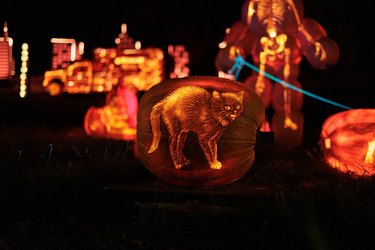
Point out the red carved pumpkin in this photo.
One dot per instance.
(117, 119)
(348, 140)
(288, 137)
(198, 130)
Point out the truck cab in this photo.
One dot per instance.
(79, 77)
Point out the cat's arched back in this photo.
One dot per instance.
(195, 109)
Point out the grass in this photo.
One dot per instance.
(64, 190)
(60, 189)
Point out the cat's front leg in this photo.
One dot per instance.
(212, 144)
(209, 148)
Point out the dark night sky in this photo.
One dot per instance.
(200, 25)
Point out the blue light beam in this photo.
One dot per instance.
(239, 62)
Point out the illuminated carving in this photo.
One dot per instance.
(194, 109)
(277, 35)
(24, 69)
(140, 68)
(349, 141)
(180, 62)
(126, 64)
(193, 121)
(117, 119)
(65, 51)
(7, 62)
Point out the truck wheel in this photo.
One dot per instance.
(54, 88)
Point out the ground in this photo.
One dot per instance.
(61, 189)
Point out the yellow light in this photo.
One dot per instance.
(81, 48)
(272, 33)
(129, 60)
(327, 143)
(24, 70)
(369, 159)
(123, 28)
(137, 45)
(223, 45)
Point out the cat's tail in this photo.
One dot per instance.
(155, 125)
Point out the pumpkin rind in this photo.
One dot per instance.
(346, 138)
(235, 148)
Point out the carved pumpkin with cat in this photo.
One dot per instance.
(198, 130)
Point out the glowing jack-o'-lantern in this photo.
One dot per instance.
(199, 130)
(117, 119)
(349, 141)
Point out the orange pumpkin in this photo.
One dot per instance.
(288, 137)
(348, 140)
(198, 130)
(117, 119)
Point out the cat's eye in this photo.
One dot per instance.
(226, 107)
(237, 106)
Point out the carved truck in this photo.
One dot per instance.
(109, 67)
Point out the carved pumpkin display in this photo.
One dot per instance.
(198, 130)
(348, 140)
(117, 118)
(276, 35)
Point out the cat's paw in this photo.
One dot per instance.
(178, 166)
(184, 161)
(215, 165)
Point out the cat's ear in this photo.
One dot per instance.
(240, 94)
(216, 95)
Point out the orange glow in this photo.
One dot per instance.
(222, 74)
(73, 47)
(198, 130)
(277, 36)
(137, 45)
(352, 143)
(369, 158)
(194, 109)
(65, 51)
(140, 68)
(117, 119)
(222, 45)
(180, 61)
(7, 61)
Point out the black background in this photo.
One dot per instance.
(199, 25)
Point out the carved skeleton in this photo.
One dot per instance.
(271, 14)
(277, 35)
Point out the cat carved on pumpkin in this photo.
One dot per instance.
(194, 109)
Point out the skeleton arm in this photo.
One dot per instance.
(319, 50)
